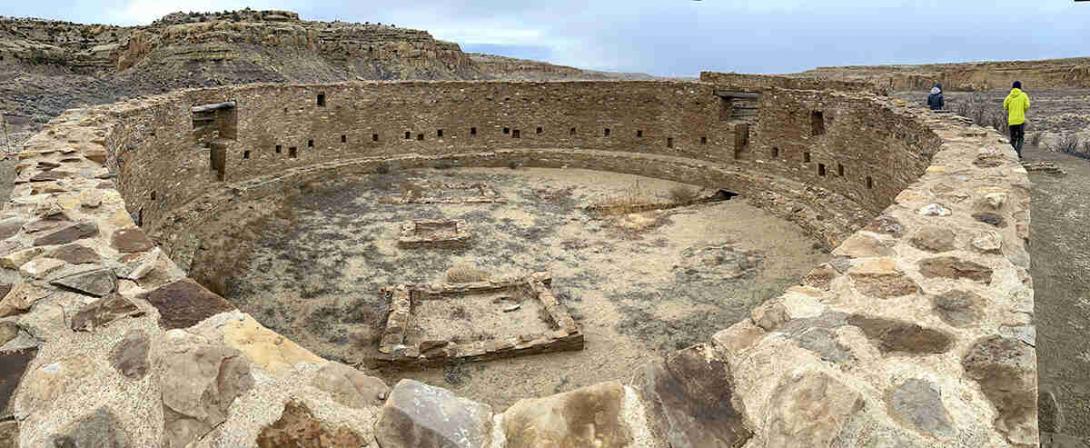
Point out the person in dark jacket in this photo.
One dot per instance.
(934, 100)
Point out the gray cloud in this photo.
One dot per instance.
(682, 37)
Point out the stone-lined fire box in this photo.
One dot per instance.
(439, 233)
(433, 325)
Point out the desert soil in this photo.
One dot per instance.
(1060, 253)
(639, 285)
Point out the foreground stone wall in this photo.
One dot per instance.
(918, 333)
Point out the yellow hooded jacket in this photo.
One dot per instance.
(1016, 104)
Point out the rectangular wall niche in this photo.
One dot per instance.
(214, 121)
(741, 139)
(499, 319)
(817, 123)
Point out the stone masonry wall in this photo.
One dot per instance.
(867, 156)
(918, 333)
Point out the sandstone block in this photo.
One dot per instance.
(185, 303)
(96, 283)
(893, 336)
(917, 404)
(199, 383)
(959, 308)
(20, 298)
(690, 401)
(13, 365)
(69, 234)
(420, 416)
(100, 429)
(863, 246)
(130, 356)
(41, 267)
(104, 311)
(350, 387)
(589, 416)
(934, 239)
(809, 410)
(265, 348)
(75, 254)
(1006, 371)
(298, 428)
(955, 268)
(131, 240)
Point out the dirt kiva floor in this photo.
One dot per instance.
(638, 284)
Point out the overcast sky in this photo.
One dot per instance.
(679, 37)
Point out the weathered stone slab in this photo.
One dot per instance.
(130, 356)
(199, 383)
(20, 298)
(76, 254)
(955, 268)
(350, 387)
(298, 428)
(265, 348)
(185, 303)
(104, 311)
(96, 283)
(959, 308)
(10, 226)
(44, 385)
(809, 410)
(892, 336)
(589, 416)
(69, 234)
(1006, 370)
(420, 416)
(9, 434)
(917, 404)
(934, 239)
(16, 258)
(13, 365)
(41, 267)
(100, 429)
(690, 401)
(882, 279)
(8, 331)
(131, 240)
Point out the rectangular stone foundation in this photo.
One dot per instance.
(505, 319)
(431, 192)
(437, 233)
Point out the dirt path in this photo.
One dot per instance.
(1060, 251)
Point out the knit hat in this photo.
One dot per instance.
(1018, 84)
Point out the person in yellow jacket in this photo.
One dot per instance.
(1016, 104)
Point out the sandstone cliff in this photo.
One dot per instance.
(973, 76)
(48, 66)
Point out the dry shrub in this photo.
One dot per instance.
(466, 273)
(1035, 139)
(632, 200)
(683, 194)
(410, 191)
(982, 111)
(1068, 143)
